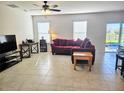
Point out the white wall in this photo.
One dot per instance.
(15, 21)
(62, 25)
(1, 32)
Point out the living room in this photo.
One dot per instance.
(44, 71)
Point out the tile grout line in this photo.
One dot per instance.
(37, 61)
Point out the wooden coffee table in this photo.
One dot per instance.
(83, 56)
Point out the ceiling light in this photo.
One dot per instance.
(46, 12)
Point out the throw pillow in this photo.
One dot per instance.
(87, 44)
(84, 42)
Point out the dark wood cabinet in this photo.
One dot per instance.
(43, 46)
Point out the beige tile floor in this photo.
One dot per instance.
(47, 72)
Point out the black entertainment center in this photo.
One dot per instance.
(8, 54)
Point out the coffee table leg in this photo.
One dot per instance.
(89, 68)
(90, 64)
(74, 64)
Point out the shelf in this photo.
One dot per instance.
(7, 65)
(10, 59)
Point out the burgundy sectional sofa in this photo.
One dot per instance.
(67, 47)
(63, 46)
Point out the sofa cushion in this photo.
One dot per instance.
(69, 43)
(63, 46)
(62, 42)
(78, 42)
(69, 47)
(76, 47)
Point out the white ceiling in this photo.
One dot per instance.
(68, 7)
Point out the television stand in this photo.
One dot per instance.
(9, 59)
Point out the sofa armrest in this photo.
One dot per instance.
(52, 48)
(92, 50)
(52, 45)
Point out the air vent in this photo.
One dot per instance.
(13, 6)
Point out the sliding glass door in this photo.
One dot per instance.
(114, 36)
(122, 35)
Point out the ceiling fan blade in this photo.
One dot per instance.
(57, 10)
(33, 9)
(54, 6)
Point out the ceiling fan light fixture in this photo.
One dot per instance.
(46, 12)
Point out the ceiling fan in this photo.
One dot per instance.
(46, 7)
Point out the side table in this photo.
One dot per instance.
(34, 47)
(25, 50)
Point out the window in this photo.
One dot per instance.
(43, 31)
(79, 29)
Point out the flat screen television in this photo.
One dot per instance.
(7, 43)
